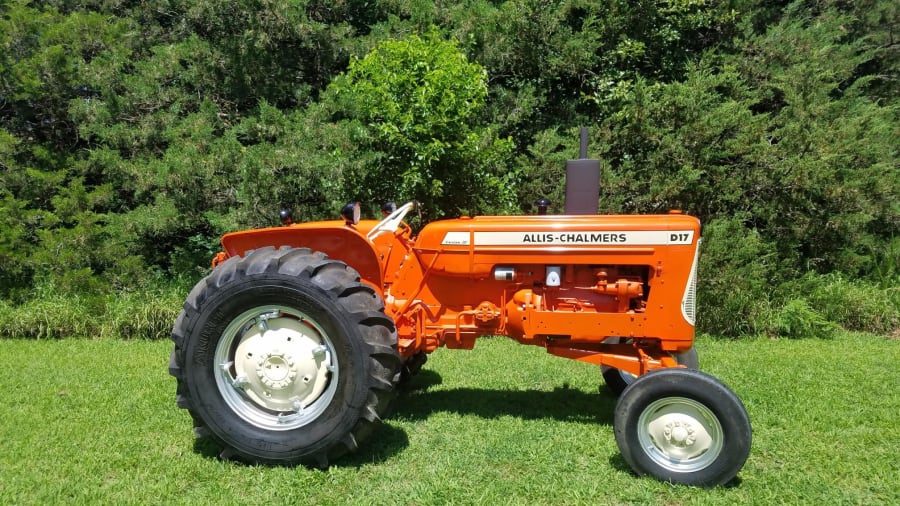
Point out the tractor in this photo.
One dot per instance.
(291, 349)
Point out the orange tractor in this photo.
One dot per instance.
(290, 350)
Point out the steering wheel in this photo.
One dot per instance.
(391, 222)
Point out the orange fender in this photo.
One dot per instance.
(334, 238)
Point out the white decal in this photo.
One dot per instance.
(456, 239)
(575, 238)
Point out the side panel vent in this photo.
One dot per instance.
(688, 302)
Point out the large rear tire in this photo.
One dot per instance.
(682, 426)
(283, 356)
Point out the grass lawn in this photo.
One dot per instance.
(95, 421)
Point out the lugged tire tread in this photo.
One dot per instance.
(343, 284)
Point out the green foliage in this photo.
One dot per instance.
(784, 142)
(852, 304)
(55, 312)
(16, 224)
(737, 273)
(50, 208)
(797, 320)
(134, 134)
(417, 99)
(42, 55)
(294, 159)
(540, 170)
(274, 50)
(830, 152)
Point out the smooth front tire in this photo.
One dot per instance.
(682, 426)
(283, 356)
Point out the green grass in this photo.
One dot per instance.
(94, 421)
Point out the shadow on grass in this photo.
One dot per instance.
(618, 463)
(417, 402)
(384, 443)
(207, 447)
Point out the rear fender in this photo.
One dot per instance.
(333, 238)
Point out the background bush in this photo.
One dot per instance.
(145, 314)
(133, 134)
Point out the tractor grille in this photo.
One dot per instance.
(688, 303)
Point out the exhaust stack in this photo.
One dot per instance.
(583, 181)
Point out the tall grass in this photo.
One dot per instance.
(815, 305)
(812, 306)
(146, 314)
(855, 305)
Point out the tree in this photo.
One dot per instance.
(52, 206)
(417, 101)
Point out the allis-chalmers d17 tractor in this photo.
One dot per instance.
(289, 351)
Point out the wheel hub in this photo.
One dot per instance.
(277, 368)
(680, 434)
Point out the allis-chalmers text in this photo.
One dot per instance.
(563, 238)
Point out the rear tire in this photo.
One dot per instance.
(283, 356)
(682, 426)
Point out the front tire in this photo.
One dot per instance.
(682, 426)
(283, 356)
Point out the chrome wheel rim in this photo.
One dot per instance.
(680, 434)
(276, 368)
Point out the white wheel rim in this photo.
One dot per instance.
(276, 368)
(680, 434)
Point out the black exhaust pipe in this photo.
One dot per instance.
(583, 181)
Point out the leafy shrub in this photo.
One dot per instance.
(736, 273)
(797, 319)
(417, 100)
(853, 304)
